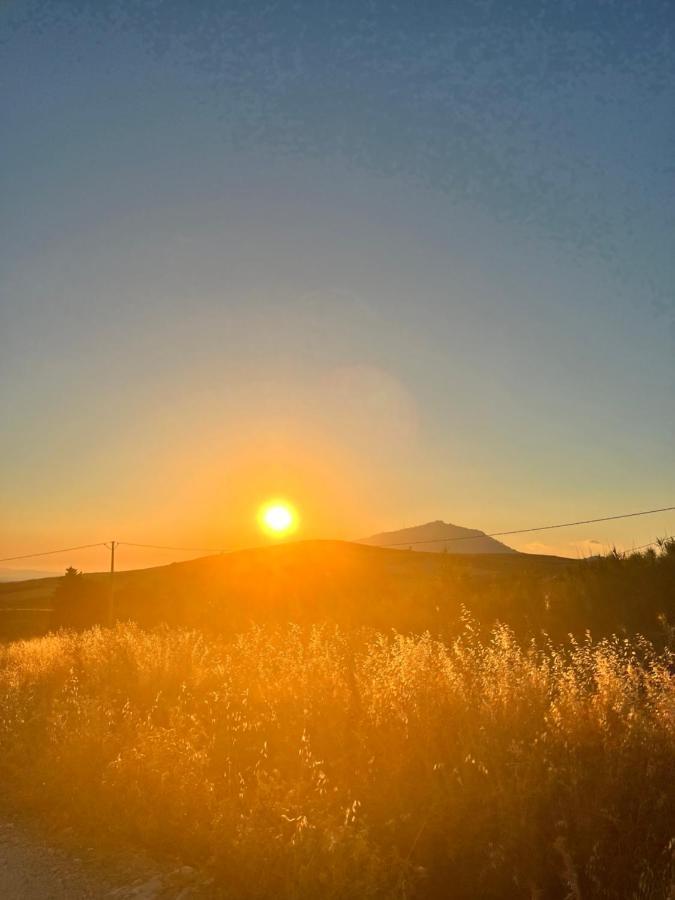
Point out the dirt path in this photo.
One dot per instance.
(33, 869)
(30, 870)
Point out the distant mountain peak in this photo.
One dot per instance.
(25, 574)
(439, 537)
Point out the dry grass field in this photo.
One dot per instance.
(302, 762)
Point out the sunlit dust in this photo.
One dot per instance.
(278, 518)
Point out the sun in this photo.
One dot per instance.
(278, 518)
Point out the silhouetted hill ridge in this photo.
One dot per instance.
(355, 585)
(439, 537)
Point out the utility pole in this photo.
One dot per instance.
(111, 596)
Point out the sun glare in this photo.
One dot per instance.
(278, 518)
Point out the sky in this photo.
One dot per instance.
(394, 262)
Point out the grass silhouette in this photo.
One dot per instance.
(300, 762)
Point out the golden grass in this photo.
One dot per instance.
(303, 763)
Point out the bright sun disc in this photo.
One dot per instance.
(277, 518)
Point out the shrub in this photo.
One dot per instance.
(305, 762)
(78, 602)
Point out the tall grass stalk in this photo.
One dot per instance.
(302, 763)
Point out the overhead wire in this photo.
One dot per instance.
(51, 552)
(471, 537)
(176, 549)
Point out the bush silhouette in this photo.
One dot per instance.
(78, 602)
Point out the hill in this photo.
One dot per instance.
(302, 581)
(22, 574)
(358, 586)
(439, 537)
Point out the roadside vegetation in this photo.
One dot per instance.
(315, 761)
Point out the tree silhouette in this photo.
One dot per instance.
(78, 602)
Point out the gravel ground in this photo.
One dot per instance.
(32, 868)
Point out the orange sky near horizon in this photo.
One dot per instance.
(342, 455)
(344, 451)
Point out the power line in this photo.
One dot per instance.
(474, 537)
(645, 512)
(643, 546)
(177, 549)
(627, 550)
(51, 552)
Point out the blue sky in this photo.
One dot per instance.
(396, 261)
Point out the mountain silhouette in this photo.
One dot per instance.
(438, 537)
(22, 574)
